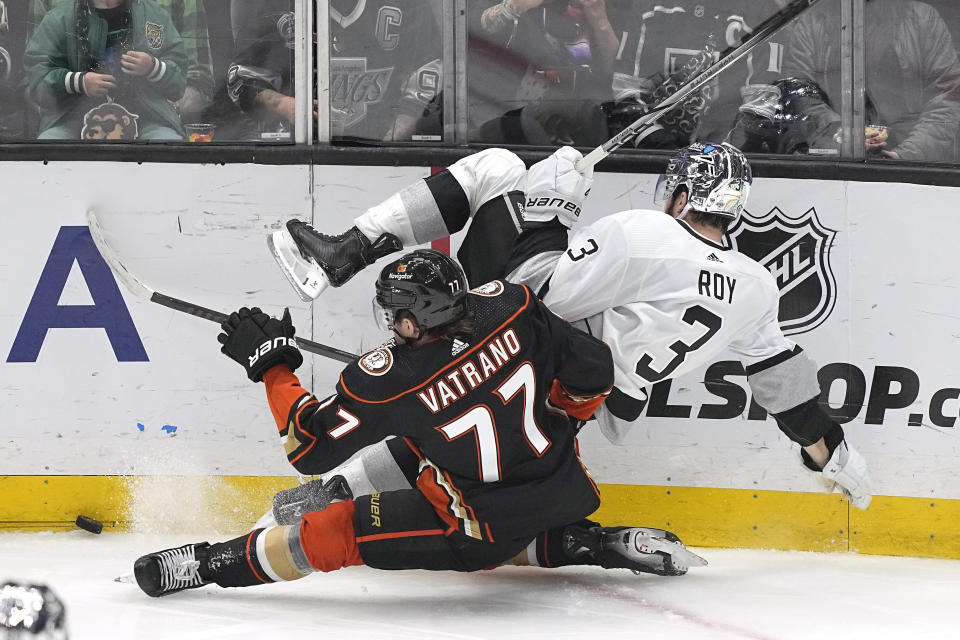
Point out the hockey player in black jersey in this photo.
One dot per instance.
(482, 387)
(599, 279)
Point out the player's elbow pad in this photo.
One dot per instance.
(806, 423)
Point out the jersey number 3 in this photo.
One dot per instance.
(693, 316)
(479, 420)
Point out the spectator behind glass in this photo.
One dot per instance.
(12, 38)
(747, 101)
(385, 70)
(191, 21)
(912, 79)
(538, 70)
(107, 70)
(662, 46)
(246, 13)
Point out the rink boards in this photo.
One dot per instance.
(118, 408)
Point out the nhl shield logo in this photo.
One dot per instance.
(797, 252)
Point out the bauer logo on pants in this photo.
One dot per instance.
(797, 252)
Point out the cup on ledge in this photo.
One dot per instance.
(200, 132)
(876, 133)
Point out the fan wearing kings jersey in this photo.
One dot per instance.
(659, 287)
(384, 68)
(481, 387)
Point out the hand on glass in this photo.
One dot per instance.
(136, 63)
(98, 84)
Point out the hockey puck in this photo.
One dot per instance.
(89, 524)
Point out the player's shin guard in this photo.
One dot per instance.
(321, 541)
(328, 538)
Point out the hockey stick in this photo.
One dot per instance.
(727, 58)
(135, 286)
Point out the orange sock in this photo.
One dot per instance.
(328, 538)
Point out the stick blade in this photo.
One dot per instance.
(130, 281)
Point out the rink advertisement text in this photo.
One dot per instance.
(878, 395)
(883, 394)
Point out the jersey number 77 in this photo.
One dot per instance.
(479, 420)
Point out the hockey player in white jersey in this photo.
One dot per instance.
(662, 290)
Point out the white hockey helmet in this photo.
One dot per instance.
(31, 611)
(717, 178)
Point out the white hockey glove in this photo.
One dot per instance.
(845, 471)
(555, 189)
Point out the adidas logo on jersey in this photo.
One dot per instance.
(713, 258)
(458, 346)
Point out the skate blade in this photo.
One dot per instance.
(682, 557)
(304, 274)
(689, 558)
(265, 521)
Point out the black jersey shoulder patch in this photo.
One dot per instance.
(377, 362)
(489, 290)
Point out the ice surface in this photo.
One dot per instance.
(757, 595)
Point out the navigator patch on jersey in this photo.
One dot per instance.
(154, 33)
(490, 289)
(797, 252)
(377, 362)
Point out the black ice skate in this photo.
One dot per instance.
(164, 572)
(312, 261)
(291, 504)
(640, 549)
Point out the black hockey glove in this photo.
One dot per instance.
(259, 342)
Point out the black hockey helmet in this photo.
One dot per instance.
(427, 283)
(795, 117)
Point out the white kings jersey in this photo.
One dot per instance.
(664, 298)
(667, 300)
